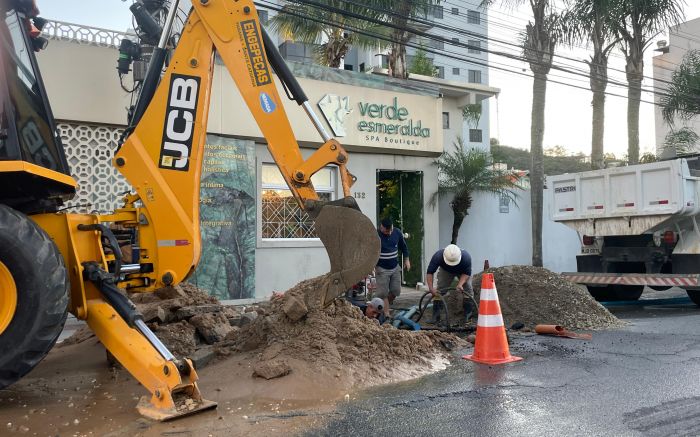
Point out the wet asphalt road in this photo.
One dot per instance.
(643, 379)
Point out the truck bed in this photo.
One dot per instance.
(624, 200)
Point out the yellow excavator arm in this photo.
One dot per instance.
(161, 158)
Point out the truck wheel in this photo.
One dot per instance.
(33, 295)
(659, 288)
(694, 295)
(616, 292)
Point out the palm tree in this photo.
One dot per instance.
(461, 173)
(593, 21)
(400, 17)
(641, 21)
(682, 99)
(540, 39)
(307, 24)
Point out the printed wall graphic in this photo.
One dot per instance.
(227, 213)
(335, 109)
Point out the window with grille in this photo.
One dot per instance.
(455, 71)
(436, 11)
(475, 135)
(474, 47)
(445, 120)
(281, 215)
(474, 76)
(455, 11)
(473, 17)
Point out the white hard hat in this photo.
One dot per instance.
(452, 255)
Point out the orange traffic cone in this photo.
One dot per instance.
(491, 345)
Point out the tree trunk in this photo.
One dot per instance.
(460, 208)
(397, 61)
(397, 57)
(599, 82)
(335, 51)
(598, 131)
(456, 224)
(634, 69)
(539, 91)
(634, 94)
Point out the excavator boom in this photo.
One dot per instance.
(164, 164)
(161, 158)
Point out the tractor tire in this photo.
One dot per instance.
(694, 295)
(35, 313)
(613, 293)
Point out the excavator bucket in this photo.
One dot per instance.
(352, 244)
(183, 400)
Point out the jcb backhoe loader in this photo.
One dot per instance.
(51, 261)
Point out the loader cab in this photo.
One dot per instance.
(34, 172)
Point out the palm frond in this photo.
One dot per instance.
(462, 172)
(682, 98)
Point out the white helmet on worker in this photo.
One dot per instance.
(452, 255)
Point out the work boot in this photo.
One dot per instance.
(437, 312)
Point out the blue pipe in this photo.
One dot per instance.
(408, 322)
(405, 318)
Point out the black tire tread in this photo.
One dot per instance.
(616, 293)
(694, 295)
(33, 347)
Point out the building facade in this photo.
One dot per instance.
(462, 58)
(681, 39)
(255, 239)
(457, 44)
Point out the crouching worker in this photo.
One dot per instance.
(449, 263)
(374, 309)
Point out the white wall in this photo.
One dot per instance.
(506, 238)
(279, 266)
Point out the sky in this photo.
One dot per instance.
(567, 112)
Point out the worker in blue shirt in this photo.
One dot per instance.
(388, 271)
(449, 263)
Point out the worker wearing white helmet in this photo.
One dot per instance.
(449, 263)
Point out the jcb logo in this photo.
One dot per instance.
(179, 122)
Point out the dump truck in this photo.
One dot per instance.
(638, 226)
(54, 260)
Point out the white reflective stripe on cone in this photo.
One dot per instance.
(488, 294)
(490, 321)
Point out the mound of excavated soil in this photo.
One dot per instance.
(186, 319)
(533, 295)
(338, 339)
(291, 332)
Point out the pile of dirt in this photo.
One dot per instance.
(534, 295)
(290, 332)
(186, 319)
(336, 340)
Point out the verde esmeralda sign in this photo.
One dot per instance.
(390, 120)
